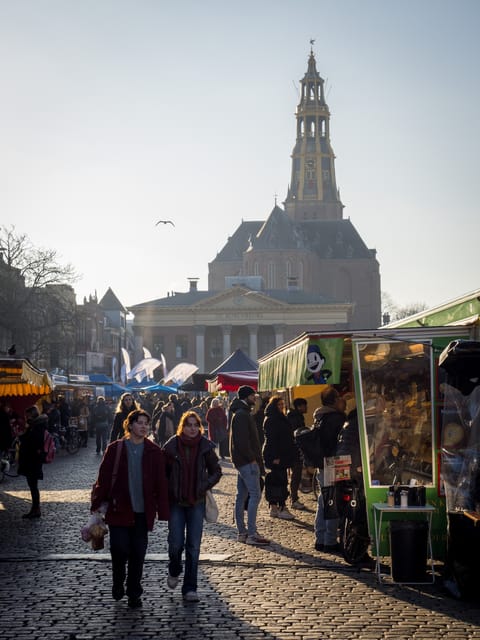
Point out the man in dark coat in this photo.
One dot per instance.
(247, 458)
(329, 418)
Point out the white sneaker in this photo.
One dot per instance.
(296, 504)
(285, 514)
(191, 596)
(172, 581)
(273, 511)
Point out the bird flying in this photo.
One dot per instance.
(164, 222)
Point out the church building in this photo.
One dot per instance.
(304, 268)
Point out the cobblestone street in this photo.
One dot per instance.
(53, 586)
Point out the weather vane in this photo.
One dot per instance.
(312, 42)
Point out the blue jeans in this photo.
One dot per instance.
(325, 530)
(185, 528)
(129, 545)
(248, 486)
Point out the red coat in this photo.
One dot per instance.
(155, 488)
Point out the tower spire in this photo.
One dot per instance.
(313, 192)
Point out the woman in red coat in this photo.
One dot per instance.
(132, 481)
(217, 426)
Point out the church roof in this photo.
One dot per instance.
(237, 243)
(110, 302)
(335, 239)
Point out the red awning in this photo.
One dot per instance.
(231, 380)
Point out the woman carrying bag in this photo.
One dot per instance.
(192, 469)
(278, 455)
(132, 484)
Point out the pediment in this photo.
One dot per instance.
(239, 298)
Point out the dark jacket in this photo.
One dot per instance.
(349, 444)
(117, 427)
(330, 422)
(166, 419)
(31, 454)
(279, 441)
(155, 490)
(208, 471)
(296, 419)
(244, 442)
(100, 415)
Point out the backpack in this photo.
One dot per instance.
(48, 447)
(310, 443)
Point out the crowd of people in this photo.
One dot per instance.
(160, 457)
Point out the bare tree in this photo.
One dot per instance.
(36, 297)
(393, 312)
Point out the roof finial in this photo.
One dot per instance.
(312, 42)
(275, 197)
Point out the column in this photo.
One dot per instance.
(279, 339)
(253, 342)
(227, 332)
(200, 347)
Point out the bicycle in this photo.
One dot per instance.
(353, 526)
(67, 438)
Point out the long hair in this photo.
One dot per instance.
(183, 422)
(273, 402)
(121, 406)
(131, 418)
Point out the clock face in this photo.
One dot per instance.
(310, 164)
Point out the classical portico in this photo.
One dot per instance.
(206, 331)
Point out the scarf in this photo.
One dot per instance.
(188, 452)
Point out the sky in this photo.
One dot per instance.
(118, 113)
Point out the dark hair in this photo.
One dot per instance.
(329, 396)
(131, 418)
(185, 417)
(298, 402)
(32, 411)
(274, 400)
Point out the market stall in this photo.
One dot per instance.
(394, 377)
(22, 383)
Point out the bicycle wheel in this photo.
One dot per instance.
(73, 442)
(354, 541)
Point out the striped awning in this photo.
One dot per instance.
(19, 377)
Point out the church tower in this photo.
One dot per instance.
(313, 194)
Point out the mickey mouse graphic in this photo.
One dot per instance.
(315, 362)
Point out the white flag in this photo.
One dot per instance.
(126, 360)
(144, 369)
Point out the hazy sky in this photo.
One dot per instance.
(116, 113)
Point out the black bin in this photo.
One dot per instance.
(408, 550)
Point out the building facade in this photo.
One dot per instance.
(303, 268)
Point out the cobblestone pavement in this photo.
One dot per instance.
(53, 586)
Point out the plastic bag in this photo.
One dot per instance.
(95, 530)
